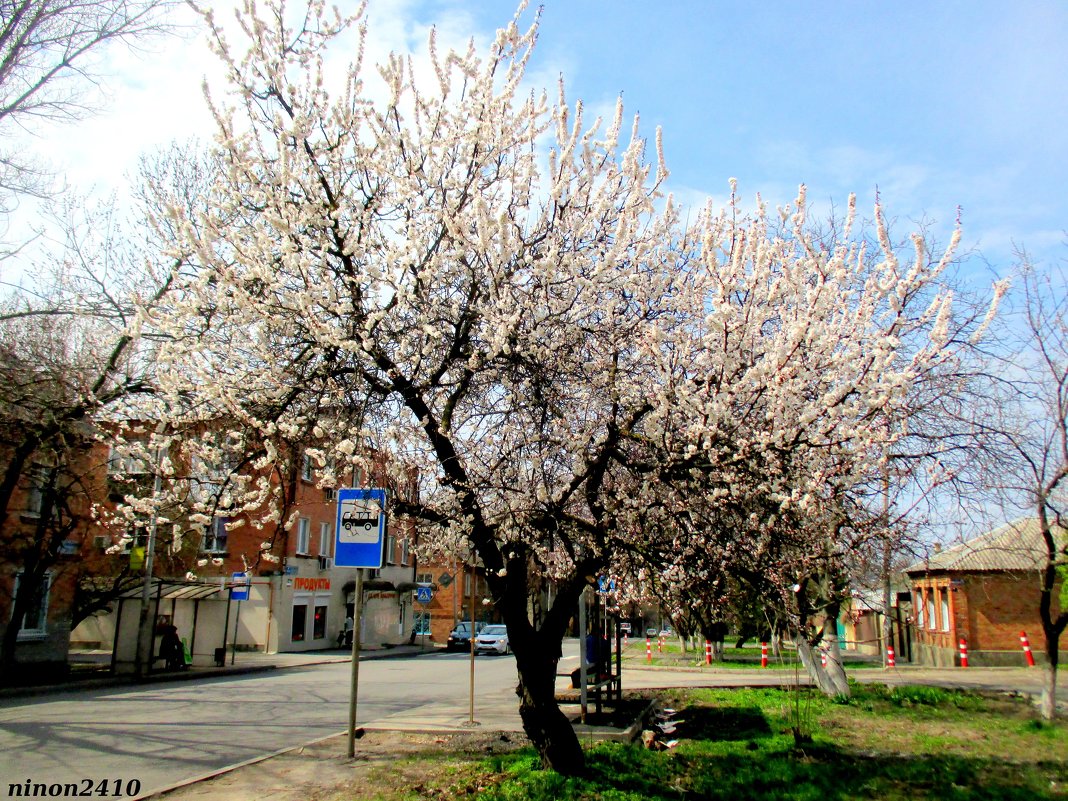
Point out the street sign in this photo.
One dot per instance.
(240, 586)
(424, 595)
(361, 527)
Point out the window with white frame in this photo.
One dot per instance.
(215, 536)
(424, 578)
(945, 610)
(391, 550)
(38, 478)
(35, 620)
(919, 609)
(931, 623)
(303, 536)
(306, 467)
(405, 552)
(325, 540)
(132, 460)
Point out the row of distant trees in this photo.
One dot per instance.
(734, 410)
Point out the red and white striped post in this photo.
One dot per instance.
(1027, 649)
(763, 654)
(648, 649)
(708, 652)
(890, 657)
(963, 652)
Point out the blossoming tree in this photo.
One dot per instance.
(457, 272)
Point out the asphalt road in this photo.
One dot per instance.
(165, 733)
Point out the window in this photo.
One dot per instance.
(319, 623)
(405, 552)
(215, 536)
(424, 578)
(325, 540)
(919, 609)
(303, 536)
(422, 623)
(300, 621)
(306, 467)
(35, 621)
(930, 611)
(329, 495)
(38, 478)
(391, 550)
(129, 461)
(945, 609)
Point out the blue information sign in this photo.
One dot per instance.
(361, 527)
(240, 584)
(424, 595)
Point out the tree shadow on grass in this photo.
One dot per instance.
(815, 773)
(721, 724)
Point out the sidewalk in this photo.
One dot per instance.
(243, 662)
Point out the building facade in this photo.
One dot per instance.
(298, 599)
(984, 592)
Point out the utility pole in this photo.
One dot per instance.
(143, 655)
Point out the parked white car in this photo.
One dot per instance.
(492, 640)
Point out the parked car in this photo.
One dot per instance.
(460, 637)
(492, 640)
(651, 632)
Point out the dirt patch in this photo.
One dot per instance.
(383, 768)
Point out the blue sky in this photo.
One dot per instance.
(939, 105)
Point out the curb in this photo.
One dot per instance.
(124, 682)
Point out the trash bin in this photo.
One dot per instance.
(220, 657)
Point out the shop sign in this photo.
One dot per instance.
(311, 584)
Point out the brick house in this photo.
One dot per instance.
(298, 599)
(67, 546)
(986, 591)
(451, 582)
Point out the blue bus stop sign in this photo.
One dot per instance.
(239, 589)
(360, 528)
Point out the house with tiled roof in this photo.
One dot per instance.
(984, 592)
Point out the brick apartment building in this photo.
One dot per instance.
(298, 599)
(985, 590)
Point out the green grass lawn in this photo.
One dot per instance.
(886, 744)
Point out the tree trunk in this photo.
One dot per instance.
(1048, 702)
(29, 584)
(830, 680)
(835, 671)
(549, 730)
(811, 662)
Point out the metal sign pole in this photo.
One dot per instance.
(357, 619)
(471, 713)
(583, 664)
(422, 628)
(237, 623)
